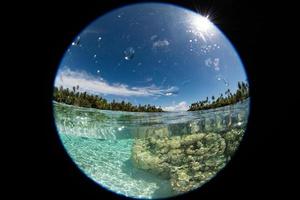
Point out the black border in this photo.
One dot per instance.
(247, 24)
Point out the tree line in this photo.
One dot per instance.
(83, 99)
(229, 98)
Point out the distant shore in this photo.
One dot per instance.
(83, 99)
(241, 94)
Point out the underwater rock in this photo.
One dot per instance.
(144, 158)
(178, 128)
(159, 133)
(216, 124)
(195, 127)
(219, 123)
(187, 161)
(208, 125)
(233, 139)
(147, 131)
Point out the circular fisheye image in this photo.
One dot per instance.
(151, 100)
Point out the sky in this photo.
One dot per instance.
(152, 53)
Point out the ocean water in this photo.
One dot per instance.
(100, 142)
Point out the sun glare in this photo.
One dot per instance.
(201, 23)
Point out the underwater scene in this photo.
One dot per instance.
(150, 155)
(151, 100)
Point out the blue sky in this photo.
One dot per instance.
(175, 57)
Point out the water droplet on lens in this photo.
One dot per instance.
(76, 42)
(219, 77)
(129, 53)
(216, 62)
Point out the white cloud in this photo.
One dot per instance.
(182, 106)
(96, 85)
(161, 43)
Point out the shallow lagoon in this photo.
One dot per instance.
(102, 144)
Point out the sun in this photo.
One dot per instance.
(200, 26)
(200, 23)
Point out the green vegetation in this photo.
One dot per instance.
(82, 99)
(241, 94)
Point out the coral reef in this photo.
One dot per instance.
(187, 161)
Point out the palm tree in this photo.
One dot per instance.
(239, 85)
(241, 93)
(84, 99)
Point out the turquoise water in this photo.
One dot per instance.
(100, 142)
(108, 162)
